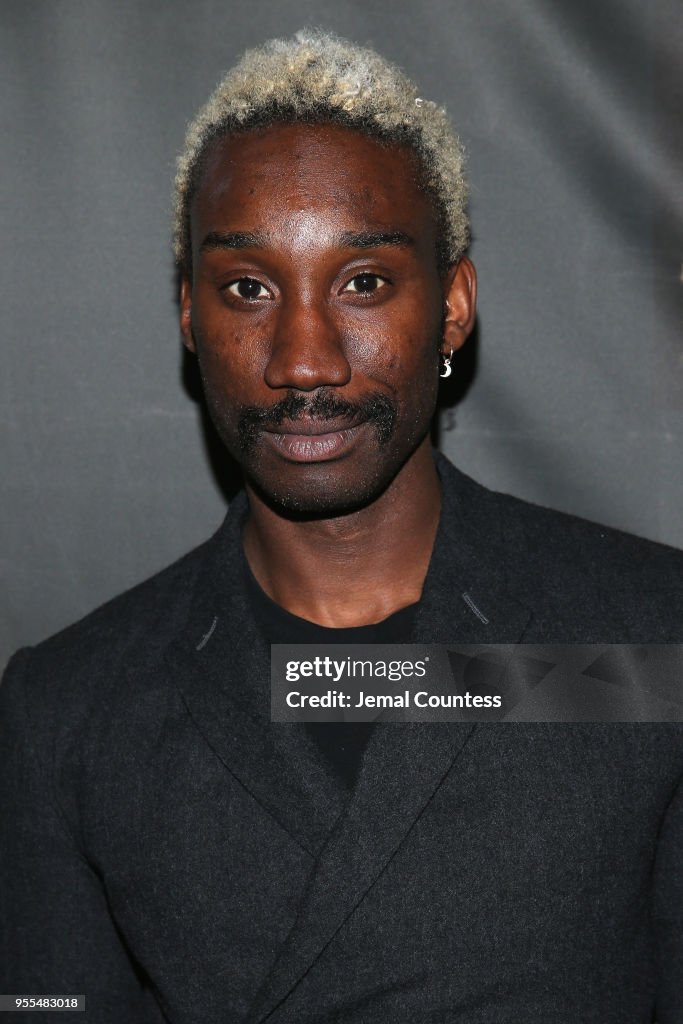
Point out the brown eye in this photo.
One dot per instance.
(364, 284)
(248, 288)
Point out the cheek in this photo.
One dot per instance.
(416, 374)
(395, 346)
(223, 337)
(229, 359)
(411, 359)
(418, 357)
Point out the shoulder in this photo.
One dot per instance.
(147, 610)
(83, 669)
(612, 585)
(619, 588)
(607, 553)
(560, 535)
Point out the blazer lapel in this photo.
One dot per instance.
(221, 665)
(386, 804)
(465, 601)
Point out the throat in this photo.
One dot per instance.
(351, 571)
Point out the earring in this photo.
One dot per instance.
(447, 369)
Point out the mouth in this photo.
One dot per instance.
(309, 440)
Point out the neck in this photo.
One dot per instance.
(354, 569)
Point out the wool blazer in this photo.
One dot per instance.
(173, 855)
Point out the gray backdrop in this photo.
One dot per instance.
(572, 391)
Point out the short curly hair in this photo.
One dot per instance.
(316, 77)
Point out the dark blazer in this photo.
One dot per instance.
(174, 856)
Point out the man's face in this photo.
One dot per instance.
(316, 311)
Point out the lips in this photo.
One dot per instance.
(310, 440)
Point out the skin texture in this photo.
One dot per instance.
(319, 354)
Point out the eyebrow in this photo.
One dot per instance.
(347, 240)
(375, 239)
(233, 240)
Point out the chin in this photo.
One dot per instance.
(321, 494)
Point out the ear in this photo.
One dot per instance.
(460, 297)
(186, 313)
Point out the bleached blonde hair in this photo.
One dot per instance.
(317, 77)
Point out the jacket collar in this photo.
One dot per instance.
(467, 597)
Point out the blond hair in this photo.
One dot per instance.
(317, 77)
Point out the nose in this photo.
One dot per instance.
(307, 350)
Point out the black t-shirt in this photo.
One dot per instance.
(341, 742)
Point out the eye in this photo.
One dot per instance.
(248, 288)
(365, 284)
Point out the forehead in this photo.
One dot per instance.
(271, 174)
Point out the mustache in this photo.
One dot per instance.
(374, 407)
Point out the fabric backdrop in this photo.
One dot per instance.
(571, 392)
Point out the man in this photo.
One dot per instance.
(173, 854)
